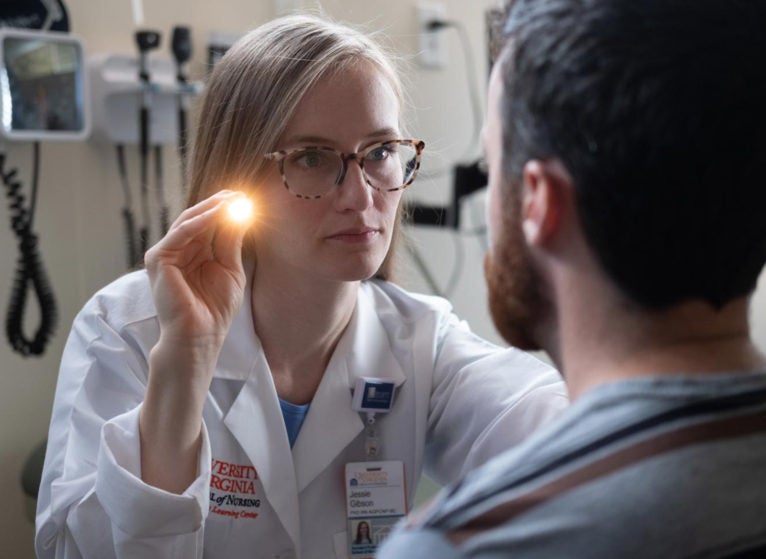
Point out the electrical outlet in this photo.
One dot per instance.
(432, 52)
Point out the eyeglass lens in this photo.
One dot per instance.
(315, 171)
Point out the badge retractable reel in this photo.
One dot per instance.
(372, 396)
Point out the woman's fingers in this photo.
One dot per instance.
(203, 206)
(208, 224)
(227, 243)
(195, 228)
(198, 230)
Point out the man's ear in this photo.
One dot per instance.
(546, 189)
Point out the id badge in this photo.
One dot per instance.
(376, 498)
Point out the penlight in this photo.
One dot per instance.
(240, 210)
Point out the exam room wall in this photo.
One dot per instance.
(79, 202)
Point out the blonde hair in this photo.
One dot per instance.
(254, 90)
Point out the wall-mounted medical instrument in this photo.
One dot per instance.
(140, 101)
(42, 81)
(146, 41)
(181, 46)
(43, 97)
(218, 44)
(46, 15)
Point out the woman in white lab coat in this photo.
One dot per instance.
(204, 405)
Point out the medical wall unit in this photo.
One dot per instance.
(141, 101)
(43, 97)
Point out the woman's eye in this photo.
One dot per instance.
(380, 153)
(309, 159)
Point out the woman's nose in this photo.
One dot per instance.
(353, 192)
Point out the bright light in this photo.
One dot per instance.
(241, 209)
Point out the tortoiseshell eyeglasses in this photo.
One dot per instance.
(314, 171)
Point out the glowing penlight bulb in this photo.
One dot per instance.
(240, 210)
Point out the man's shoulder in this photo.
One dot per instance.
(622, 473)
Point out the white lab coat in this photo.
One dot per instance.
(459, 401)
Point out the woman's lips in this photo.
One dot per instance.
(356, 235)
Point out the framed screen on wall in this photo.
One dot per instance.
(42, 86)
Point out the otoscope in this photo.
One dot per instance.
(146, 41)
(182, 51)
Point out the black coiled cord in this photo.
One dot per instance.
(29, 270)
(131, 240)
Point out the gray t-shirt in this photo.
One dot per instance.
(652, 467)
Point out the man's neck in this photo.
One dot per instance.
(607, 343)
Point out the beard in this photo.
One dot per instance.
(516, 301)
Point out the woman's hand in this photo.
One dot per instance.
(197, 276)
(198, 284)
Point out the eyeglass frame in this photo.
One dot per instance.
(358, 156)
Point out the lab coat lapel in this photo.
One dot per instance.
(331, 424)
(255, 419)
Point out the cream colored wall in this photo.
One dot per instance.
(78, 209)
(78, 217)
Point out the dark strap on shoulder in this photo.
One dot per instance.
(713, 430)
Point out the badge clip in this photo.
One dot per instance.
(371, 396)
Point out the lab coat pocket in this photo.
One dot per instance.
(340, 541)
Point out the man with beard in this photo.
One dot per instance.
(625, 142)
